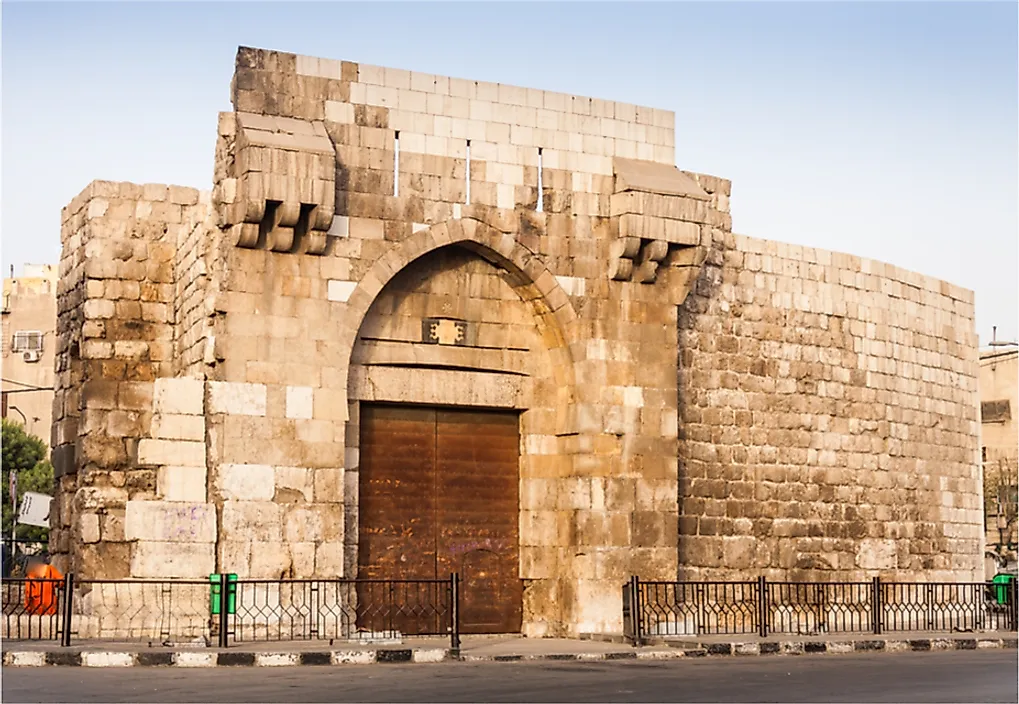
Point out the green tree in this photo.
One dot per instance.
(25, 455)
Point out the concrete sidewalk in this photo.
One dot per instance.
(478, 649)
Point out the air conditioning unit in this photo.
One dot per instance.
(32, 356)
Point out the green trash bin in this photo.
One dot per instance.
(1001, 584)
(231, 593)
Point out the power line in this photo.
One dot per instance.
(29, 387)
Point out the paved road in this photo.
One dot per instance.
(907, 677)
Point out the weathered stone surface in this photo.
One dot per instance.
(691, 403)
(246, 482)
(237, 398)
(178, 560)
(177, 483)
(170, 522)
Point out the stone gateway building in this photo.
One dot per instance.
(425, 325)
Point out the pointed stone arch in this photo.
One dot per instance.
(553, 312)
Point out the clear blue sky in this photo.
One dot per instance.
(885, 130)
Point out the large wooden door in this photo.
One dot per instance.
(439, 493)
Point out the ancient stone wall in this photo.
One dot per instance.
(116, 330)
(829, 419)
(382, 235)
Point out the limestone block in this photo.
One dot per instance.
(329, 484)
(171, 452)
(257, 521)
(329, 560)
(300, 401)
(340, 290)
(294, 484)
(182, 560)
(170, 522)
(237, 398)
(269, 560)
(179, 396)
(88, 527)
(302, 524)
(876, 554)
(179, 483)
(172, 426)
(246, 482)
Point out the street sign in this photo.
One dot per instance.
(35, 509)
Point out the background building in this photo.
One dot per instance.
(999, 394)
(29, 320)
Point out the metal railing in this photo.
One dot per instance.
(343, 609)
(653, 609)
(222, 610)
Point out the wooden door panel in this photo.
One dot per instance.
(477, 458)
(439, 493)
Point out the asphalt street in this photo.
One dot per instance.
(907, 677)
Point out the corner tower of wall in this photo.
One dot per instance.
(828, 419)
(120, 422)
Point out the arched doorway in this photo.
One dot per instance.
(453, 412)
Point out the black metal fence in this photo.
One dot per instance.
(661, 609)
(222, 610)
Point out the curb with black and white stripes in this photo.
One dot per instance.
(194, 658)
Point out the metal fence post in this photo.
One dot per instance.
(636, 611)
(65, 632)
(1014, 604)
(762, 606)
(876, 608)
(224, 620)
(454, 613)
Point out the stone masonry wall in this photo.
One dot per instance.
(116, 329)
(828, 419)
(692, 403)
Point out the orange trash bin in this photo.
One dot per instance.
(41, 590)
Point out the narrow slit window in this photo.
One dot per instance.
(540, 197)
(396, 164)
(467, 198)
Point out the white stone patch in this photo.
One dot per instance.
(163, 452)
(106, 659)
(26, 659)
(340, 290)
(572, 285)
(300, 401)
(246, 482)
(633, 396)
(170, 521)
(237, 398)
(840, 647)
(352, 657)
(179, 483)
(276, 659)
(429, 655)
(746, 649)
(340, 226)
(173, 426)
(457, 211)
(418, 226)
(191, 659)
(181, 396)
(340, 112)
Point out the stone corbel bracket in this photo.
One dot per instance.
(284, 191)
(662, 217)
